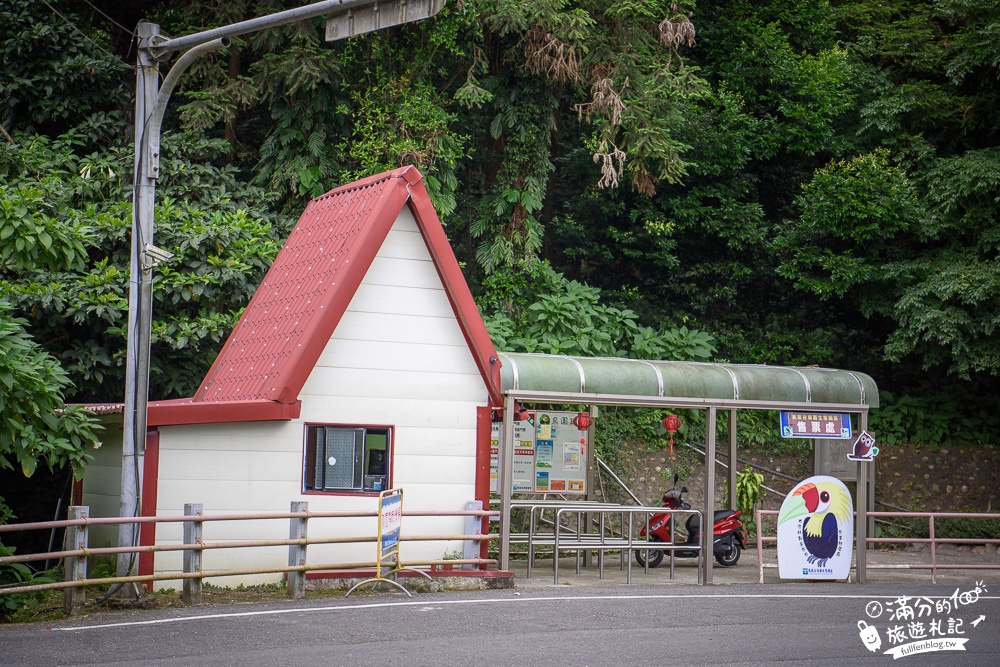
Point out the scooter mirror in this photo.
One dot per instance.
(676, 477)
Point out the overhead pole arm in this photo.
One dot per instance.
(161, 48)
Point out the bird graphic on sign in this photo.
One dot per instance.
(864, 448)
(828, 507)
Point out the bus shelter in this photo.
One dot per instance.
(542, 379)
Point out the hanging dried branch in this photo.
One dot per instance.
(610, 173)
(547, 54)
(605, 100)
(674, 34)
(642, 182)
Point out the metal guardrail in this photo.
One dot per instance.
(626, 545)
(194, 545)
(535, 537)
(932, 540)
(565, 538)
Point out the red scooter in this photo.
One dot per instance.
(728, 530)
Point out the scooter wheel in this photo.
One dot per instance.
(655, 555)
(731, 557)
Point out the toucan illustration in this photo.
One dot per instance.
(827, 505)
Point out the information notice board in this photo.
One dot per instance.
(550, 454)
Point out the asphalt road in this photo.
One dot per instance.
(815, 624)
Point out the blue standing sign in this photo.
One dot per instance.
(390, 520)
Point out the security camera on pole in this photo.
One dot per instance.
(345, 18)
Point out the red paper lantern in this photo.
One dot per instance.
(673, 424)
(583, 421)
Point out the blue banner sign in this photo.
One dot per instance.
(390, 516)
(801, 424)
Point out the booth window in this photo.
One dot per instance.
(347, 458)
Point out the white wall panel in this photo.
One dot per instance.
(406, 272)
(438, 470)
(444, 387)
(404, 245)
(404, 412)
(367, 354)
(397, 328)
(404, 300)
(265, 436)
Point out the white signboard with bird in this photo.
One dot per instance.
(816, 530)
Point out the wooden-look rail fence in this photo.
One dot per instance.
(192, 575)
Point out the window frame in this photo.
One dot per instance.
(309, 455)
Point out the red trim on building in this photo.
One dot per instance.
(189, 411)
(484, 435)
(147, 505)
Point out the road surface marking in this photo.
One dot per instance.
(521, 599)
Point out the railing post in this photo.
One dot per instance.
(930, 529)
(297, 530)
(76, 566)
(473, 526)
(191, 589)
(760, 545)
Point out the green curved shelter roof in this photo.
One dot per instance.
(590, 377)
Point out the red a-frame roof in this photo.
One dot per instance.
(269, 355)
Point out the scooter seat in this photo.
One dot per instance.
(694, 523)
(723, 514)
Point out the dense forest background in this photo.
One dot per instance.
(777, 181)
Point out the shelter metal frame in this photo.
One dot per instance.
(712, 406)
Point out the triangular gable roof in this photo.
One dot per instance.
(261, 369)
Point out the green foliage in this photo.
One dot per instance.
(781, 343)
(748, 495)
(399, 122)
(938, 416)
(948, 308)
(618, 426)
(567, 317)
(52, 75)
(14, 574)
(849, 209)
(758, 430)
(35, 425)
(18, 574)
(679, 343)
(65, 222)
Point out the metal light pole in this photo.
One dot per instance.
(345, 18)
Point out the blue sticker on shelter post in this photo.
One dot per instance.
(816, 530)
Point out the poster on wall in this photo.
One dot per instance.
(524, 455)
(549, 455)
(560, 454)
(816, 530)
